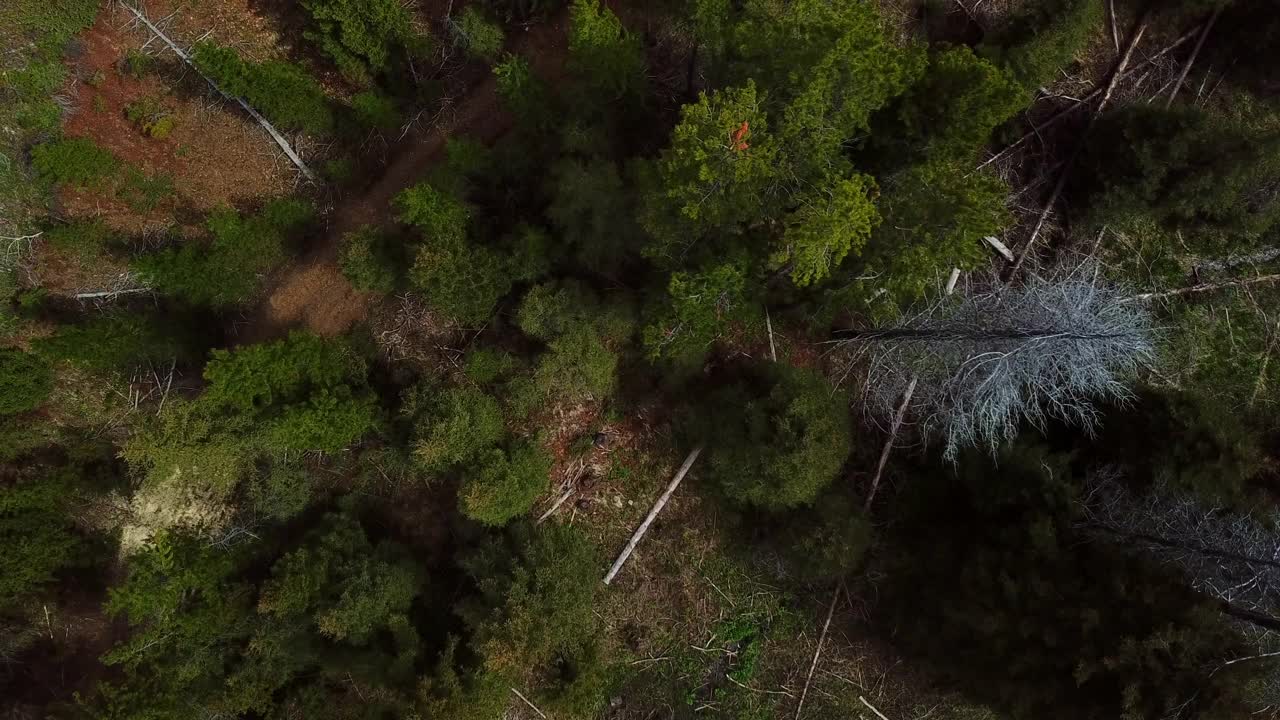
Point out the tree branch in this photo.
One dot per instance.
(653, 513)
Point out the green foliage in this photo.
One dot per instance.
(375, 110)
(537, 591)
(1044, 38)
(464, 281)
(828, 226)
(504, 484)
(226, 271)
(1184, 169)
(550, 310)
(113, 342)
(487, 366)
(950, 113)
(698, 310)
(524, 94)
(593, 210)
(706, 179)
(440, 216)
(607, 57)
(362, 36)
(150, 116)
(75, 161)
(829, 542)
(188, 446)
(85, 241)
(281, 91)
(577, 366)
(25, 381)
(365, 261)
(38, 535)
(780, 437)
(459, 425)
(934, 218)
(479, 35)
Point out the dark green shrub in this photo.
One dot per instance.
(38, 535)
(25, 381)
(523, 93)
(501, 485)
(700, 307)
(114, 342)
(827, 543)
(84, 241)
(281, 91)
(577, 366)
(74, 161)
(363, 257)
(465, 281)
(777, 438)
(461, 423)
(1183, 169)
(487, 366)
(593, 210)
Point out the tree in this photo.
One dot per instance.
(38, 534)
(480, 36)
(227, 270)
(988, 360)
(606, 56)
(829, 225)
(25, 381)
(459, 425)
(503, 484)
(776, 438)
(116, 342)
(700, 307)
(719, 172)
(593, 210)
(365, 262)
(361, 36)
(1186, 171)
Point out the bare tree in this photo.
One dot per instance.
(996, 356)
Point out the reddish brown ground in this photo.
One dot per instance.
(215, 155)
(315, 293)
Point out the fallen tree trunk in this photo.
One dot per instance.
(182, 55)
(653, 513)
(1202, 287)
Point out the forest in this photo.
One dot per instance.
(640, 359)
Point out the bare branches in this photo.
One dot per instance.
(1201, 288)
(1186, 68)
(898, 417)
(991, 360)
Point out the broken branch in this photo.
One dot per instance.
(653, 513)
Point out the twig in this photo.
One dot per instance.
(526, 702)
(773, 350)
(1202, 287)
(1186, 68)
(1115, 32)
(653, 513)
(817, 653)
(872, 708)
(556, 505)
(888, 443)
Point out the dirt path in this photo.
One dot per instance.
(314, 293)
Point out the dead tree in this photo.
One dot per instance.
(997, 356)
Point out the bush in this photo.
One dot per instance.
(364, 262)
(777, 438)
(577, 366)
(84, 241)
(502, 485)
(281, 91)
(25, 381)
(76, 161)
(480, 36)
(150, 116)
(828, 543)
(462, 280)
(461, 423)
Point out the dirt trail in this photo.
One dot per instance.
(314, 293)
